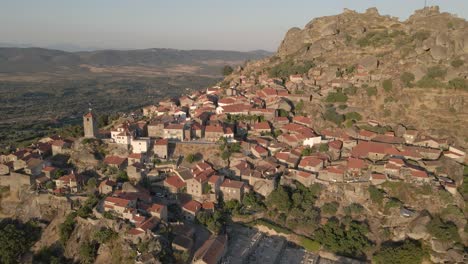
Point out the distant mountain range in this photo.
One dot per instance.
(32, 60)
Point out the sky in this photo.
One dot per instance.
(181, 24)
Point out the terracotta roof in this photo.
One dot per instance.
(336, 144)
(212, 250)
(262, 126)
(354, 163)
(304, 174)
(192, 206)
(49, 168)
(232, 184)
(121, 202)
(419, 174)
(114, 160)
(175, 181)
(156, 208)
(302, 120)
(214, 178)
(214, 129)
(161, 142)
(208, 205)
(135, 156)
(378, 176)
(107, 183)
(310, 161)
(367, 134)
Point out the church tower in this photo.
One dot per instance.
(90, 125)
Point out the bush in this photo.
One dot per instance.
(289, 67)
(387, 85)
(457, 63)
(445, 231)
(427, 82)
(407, 78)
(309, 244)
(122, 176)
(375, 39)
(376, 194)
(353, 116)
(227, 70)
(330, 208)
(66, 228)
(88, 252)
(436, 72)
(333, 116)
(353, 208)
(350, 90)
(371, 91)
(105, 235)
(323, 147)
(401, 253)
(421, 35)
(458, 83)
(337, 97)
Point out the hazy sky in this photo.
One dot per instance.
(181, 24)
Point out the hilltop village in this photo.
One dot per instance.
(188, 159)
(347, 146)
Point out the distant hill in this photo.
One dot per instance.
(34, 60)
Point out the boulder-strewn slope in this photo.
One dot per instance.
(424, 61)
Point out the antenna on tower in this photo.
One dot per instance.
(425, 3)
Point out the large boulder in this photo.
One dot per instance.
(417, 228)
(439, 53)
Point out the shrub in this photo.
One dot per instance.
(330, 208)
(371, 91)
(428, 82)
(323, 148)
(333, 116)
(350, 90)
(407, 78)
(353, 208)
(66, 228)
(457, 63)
(16, 239)
(105, 235)
(458, 83)
(436, 72)
(336, 97)
(353, 116)
(227, 70)
(375, 39)
(289, 67)
(88, 252)
(387, 85)
(445, 231)
(376, 194)
(309, 244)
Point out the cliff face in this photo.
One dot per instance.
(365, 49)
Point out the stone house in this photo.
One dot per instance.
(106, 187)
(174, 132)
(161, 148)
(191, 209)
(232, 190)
(159, 211)
(140, 145)
(213, 133)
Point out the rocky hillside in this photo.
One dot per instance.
(409, 72)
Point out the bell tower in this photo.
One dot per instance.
(90, 125)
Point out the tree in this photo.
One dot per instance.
(323, 148)
(458, 83)
(336, 97)
(122, 176)
(91, 184)
(330, 208)
(50, 185)
(88, 252)
(279, 199)
(105, 235)
(190, 158)
(353, 116)
(16, 239)
(445, 231)
(408, 251)
(227, 70)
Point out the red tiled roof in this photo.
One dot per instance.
(354, 163)
(121, 202)
(156, 208)
(378, 176)
(262, 126)
(114, 160)
(192, 206)
(310, 161)
(232, 184)
(161, 142)
(208, 205)
(175, 181)
(175, 126)
(214, 129)
(336, 144)
(49, 168)
(135, 156)
(419, 174)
